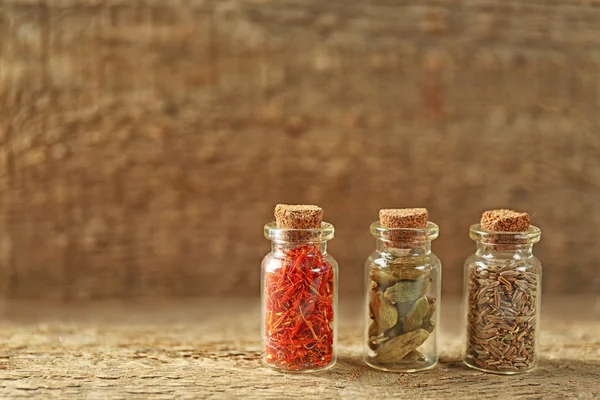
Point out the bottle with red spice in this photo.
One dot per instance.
(299, 291)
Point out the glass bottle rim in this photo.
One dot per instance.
(286, 235)
(530, 236)
(430, 232)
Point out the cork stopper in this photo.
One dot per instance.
(505, 221)
(403, 217)
(298, 216)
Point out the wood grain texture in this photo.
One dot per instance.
(192, 349)
(144, 144)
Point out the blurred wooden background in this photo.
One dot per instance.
(143, 144)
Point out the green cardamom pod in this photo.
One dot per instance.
(414, 319)
(404, 291)
(428, 325)
(428, 319)
(414, 356)
(430, 307)
(385, 313)
(398, 271)
(394, 350)
(404, 308)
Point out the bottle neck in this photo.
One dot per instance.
(504, 251)
(281, 248)
(404, 249)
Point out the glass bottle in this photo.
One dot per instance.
(403, 293)
(299, 299)
(502, 301)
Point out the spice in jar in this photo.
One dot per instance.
(299, 291)
(403, 289)
(503, 281)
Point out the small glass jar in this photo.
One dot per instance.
(403, 293)
(502, 301)
(299, 300)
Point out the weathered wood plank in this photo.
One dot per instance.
(193, 349)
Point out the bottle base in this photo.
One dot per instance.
(402, 367)
(299, 371)
(496, 371)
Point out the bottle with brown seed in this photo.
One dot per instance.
(502, 294)
(403, 281)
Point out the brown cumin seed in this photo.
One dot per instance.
(502, 317)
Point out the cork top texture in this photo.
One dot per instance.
(505, 221)
(298, 216)
(403, 217)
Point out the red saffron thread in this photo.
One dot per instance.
(299, 311)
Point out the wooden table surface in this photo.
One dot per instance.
(210, 348)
